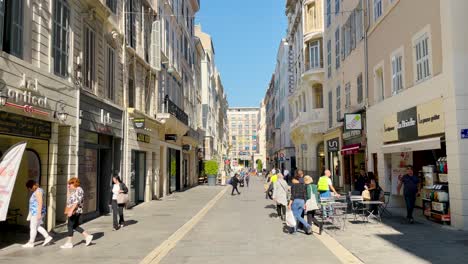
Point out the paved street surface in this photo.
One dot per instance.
(243, 229)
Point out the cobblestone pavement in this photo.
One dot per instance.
(150, 224)
(243, 229)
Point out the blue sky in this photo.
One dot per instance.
(246, 36)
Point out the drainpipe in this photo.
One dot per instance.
(366, 70)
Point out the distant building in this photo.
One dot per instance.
(243, 125)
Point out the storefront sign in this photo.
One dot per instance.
(143, 138)
(9, 166)
(351, 134)
(431, 119)
(333, 145)
(139, 123)
(407, 125)
(24, 126)
(390, 132)
(353, 122)
(99, 117)
(171, 137)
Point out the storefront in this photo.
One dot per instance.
(333, 162)
(99, 152)
(416, 136)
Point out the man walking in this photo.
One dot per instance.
(410, 190)
(324, 186)
(234, 182)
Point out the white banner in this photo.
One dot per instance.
(9, 166)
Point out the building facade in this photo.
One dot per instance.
(243, 122)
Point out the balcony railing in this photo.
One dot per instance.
(171, 108)
(193, 134)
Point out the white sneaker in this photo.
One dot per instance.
(28, 245)
(47, 241)
(89, 239)
(67, 246)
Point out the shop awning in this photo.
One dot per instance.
(350, 149)
(416, 145)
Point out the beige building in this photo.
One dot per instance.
(416, 108)
(243, 122)
(306, 82)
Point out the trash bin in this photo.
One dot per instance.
(211, 180)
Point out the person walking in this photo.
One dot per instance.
(286, 176)
(235, 182)
(297, 204)
(118, 187)
(280, 196)
(360, 182)
(300, 175)
(410, 190)
(36, 215)
(73, 211)
(312, 191)
(247, 179)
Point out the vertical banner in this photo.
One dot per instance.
(9, 166)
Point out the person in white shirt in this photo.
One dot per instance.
(117, 188)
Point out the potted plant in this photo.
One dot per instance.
(211, 169)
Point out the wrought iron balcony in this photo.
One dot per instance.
(171, 108)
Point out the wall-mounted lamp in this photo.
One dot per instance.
(170, 69)
(3, 93)
(59, 112)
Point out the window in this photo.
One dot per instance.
(377, 9)
(348, 95)
(337, 48)
(397, 73)
(359, 22)
(147, 95)
(360, 95)
(338, 103)
(61, 36)
(89, 62)
(304, 108)
(337, 7)
(130, 23)
(330, 109)
(131, 93)
(314, 53)
(112, 4)
(328, 13)
(329, 59)
(421, 50)
(11, 27)
(379, 83)
(110, 74)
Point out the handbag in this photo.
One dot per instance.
(122, 198)
(290, 219)
(366, 195)
(311, 204)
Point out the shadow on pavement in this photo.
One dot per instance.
(273, 215)
(131, 222)
(270, 206)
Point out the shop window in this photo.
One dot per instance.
(11, 27)
(61, 42)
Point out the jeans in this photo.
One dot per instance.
(35, 225)
(298, 207)
(74, 224)
(326, 208)
(410, 199)
(234, 188)
(117, 208)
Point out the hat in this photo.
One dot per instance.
(273, 171)
(308, 180)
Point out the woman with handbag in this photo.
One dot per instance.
(297, 204)
(280, 196)
(311, 204)
(119, 199)
(73, 211)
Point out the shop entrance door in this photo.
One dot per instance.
(139, 163)
(186, 172)
(173, 169)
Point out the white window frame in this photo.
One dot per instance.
(426, 32)
(348, 95)
(375, 5)
(314, 46)
(379, 66)
(398, 77)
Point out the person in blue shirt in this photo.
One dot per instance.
(410, 190)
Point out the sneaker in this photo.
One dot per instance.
(28, 245)
(47, 241)
(411, 221)
(66, 246)
(122, 225)
(89, 239)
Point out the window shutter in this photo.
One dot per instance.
(156, 46)
(16, 43)
(2, 19)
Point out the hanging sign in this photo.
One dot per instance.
(139, 123)
(9, 166)
(353, 122)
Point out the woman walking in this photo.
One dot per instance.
(73, 211)
(118, 187)
(297, 204)
(280, 196)
(312, 191)
(37, 212)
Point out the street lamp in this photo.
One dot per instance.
(3, 94)
(60, 114)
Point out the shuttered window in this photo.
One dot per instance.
(131, 93)
(397, 73)
(338, 103)
(11, 27)
(360, 92)
(337, 48)
(61, 29)
(421, 50)
(89, 60)
(110, 73)
(130, 23)
(2, 22)
(330, 109)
